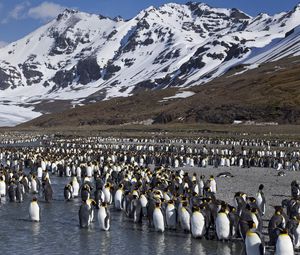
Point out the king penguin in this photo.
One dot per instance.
(48, 192)
(261, 200)
(197, 223)
(185, 217)
(84, 215)
(75, 186)
(171, 215)
(284, 245)
(34, 210)
(68, 192)
(118, 197)
(223, 224)
(107, 193)
(104, 217)
(158, 218)
(253, 241)
(2, 187)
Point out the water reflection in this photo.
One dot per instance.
(35, 228)
(59, 233)
(159, 242)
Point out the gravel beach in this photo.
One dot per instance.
(276, 188)
(247, 180)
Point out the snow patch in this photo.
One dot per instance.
(11, 115)
(181, 94)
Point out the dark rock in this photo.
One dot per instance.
(236, 14)
(235, 51)
(4, 78)
(63, 78)
(88, 70)
(196, 63)
(32, 76)
(110, 70)
(215, 56)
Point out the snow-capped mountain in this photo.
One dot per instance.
(86, 57)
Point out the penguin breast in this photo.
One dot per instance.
(284, 245)
(34, 211)
(252, 243)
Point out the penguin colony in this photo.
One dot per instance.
(109, 173)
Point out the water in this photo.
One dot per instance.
(59, 233)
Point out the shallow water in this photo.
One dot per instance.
(59, 233)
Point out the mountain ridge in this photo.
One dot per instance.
(84, 58)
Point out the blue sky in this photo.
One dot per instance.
(18, 18)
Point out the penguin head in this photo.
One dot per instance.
(261, 187)
(223, 209)
(184, 203)
(254, 210)
(157, 204)
(232, 209)
(284, 231)
(171, 202)
(252, 199)
(195, 209)
(104, 204)
(251, 224)
(34, 199)
(278, 210)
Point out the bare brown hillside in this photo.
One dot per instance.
(268, 93)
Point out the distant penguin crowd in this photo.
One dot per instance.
(146, 181)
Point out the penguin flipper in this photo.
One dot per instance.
(106, 222)
(262, 249)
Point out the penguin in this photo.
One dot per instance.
(281, 173)
(12, 191)
(2, 187)
(240, 201)
(34, 210)
(261, 200)
(234, 221)
(20, 192)
(284, 245)
(48, 192)
(75, 186)
(256, 218)
(84, 215)
(295, 189)
(85, 192)
(158, 218)
(144, 202)
(118, 197)
(225, 175)
(223, 224)
(197, 223)
(34, 185)
(136, 209)
(293, 227)
(92, 204)
(253, 241)
(201, 185)
(277, 222)
(68, 192)
(185, 217)
(171, 215)
(104, 217)
(213, 184)
(107, 194)
(39, 172)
